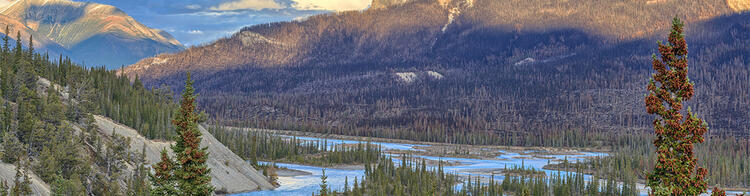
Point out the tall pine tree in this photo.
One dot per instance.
(676, 171)
(192, 173)
(188, 174)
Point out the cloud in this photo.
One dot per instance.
(334, 5)
(246, 5)
(3, 3)
(195, 32)
(193, 6)
(215, 13)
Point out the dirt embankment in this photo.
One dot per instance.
(229, 172)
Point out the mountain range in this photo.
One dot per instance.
(519, 66)
(100, 34)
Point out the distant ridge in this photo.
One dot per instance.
(100, 34)
(509, 67)
(415, 31)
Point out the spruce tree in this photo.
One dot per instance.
(66, 151)
(355, 186)
(323, 183)
(137, 84)
(31, 46)
(4, 188)
(676, 171)
(163, 180)
(346, 186)
(254, 151)
(192, 173)
(18, 50)
(13, 148)
(6, 50)
(48, 165)
(17, 180)
(22, 183)
(138, 184)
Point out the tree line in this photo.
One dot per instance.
(726, 158)
(259, 145)
(412, 177)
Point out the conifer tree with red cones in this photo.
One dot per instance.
(163, 181)
(189, 174)
(193, 175)
(676, 171)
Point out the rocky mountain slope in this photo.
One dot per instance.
(432, 31)
(100, 34)
(229, 173)
(507, 67)
(51, 135)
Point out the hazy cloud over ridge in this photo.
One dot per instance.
(195, 22)
(247, 4)
(329, 5)
(333, 5)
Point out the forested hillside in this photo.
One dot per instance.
(427, 69)
(425, 32)
(48, 129)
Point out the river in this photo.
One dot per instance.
(308, 184)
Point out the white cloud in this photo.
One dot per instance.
(195, 32)
(4, 3)
(335, 5)
(247, 4)
(193, 6)
(215, 13)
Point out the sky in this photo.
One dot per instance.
(196, 22)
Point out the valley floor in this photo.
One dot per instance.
(438, 149)
(463, 160)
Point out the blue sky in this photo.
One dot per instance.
(194, 22)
